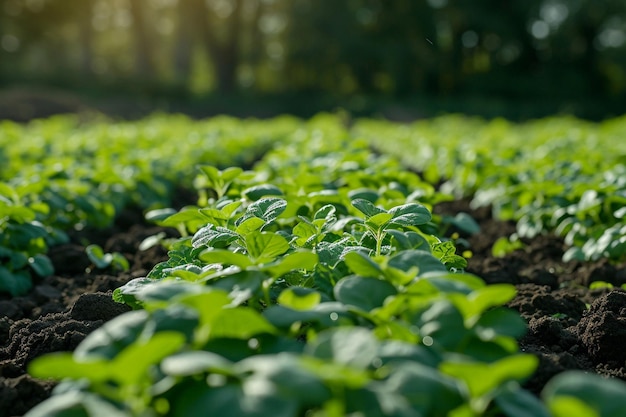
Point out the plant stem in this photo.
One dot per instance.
(379, 242)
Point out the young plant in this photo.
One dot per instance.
(102, 260)
(378, 221)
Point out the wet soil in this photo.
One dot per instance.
(570, 326)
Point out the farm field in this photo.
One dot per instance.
(453, 267)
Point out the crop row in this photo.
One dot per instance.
(557, 175)
(59, 175)
(314, 285)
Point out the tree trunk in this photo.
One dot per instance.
(183, 50)
(144, 54)
(86, 39)
(224, 57)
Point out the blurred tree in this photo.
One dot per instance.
(145, 59)
(84, 10)
(382, 46)
(514, 49)
(217, 26)
(185, 32)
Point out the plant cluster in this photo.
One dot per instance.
(60, 175)
(558, 175)
(314, 285)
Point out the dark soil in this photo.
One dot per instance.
(552, 296)
(64, 308)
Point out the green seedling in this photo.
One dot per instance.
(102, 260)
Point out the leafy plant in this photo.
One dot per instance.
(578, 192)
(102, 260)
(60, 174)
(317, 284)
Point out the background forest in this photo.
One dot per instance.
(512, 57)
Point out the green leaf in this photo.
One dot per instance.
(225, 257)
(42, 265)
(354, 346)
(362, 264)
(443, 323)
(59, 365)
(299, 298)
(330, 253)
(159, 215)
(240, 323)
(208, 304)
(231, 401)
(262, 190)
(264, 247)
(215, 216)
(565, 406)
(213, 236)
(378, 221)
(97, 256)
(326, 212)
(376, 401)
(185, 216)
(151, 290)
(395, 351)
(230, 173)
(448, 282)
(250, 225)
(446, 253)
(217, 177)
(481, 378)
(409, 240)
(211, 172)
(500, 321)
(423, 261)
(411, 214)
(480, 300)
(127, 293)
(287, 376)
(132, 364)
(364, 194)
(465, 222)
(294, 261)
(426, 389)
(403, 242)
(328, 314)
(363, 293)
(443, 249)
(605, 397)
(119, 262)
(19, 214)
(77, 404)
(152, 241)
(228, 207)
(574, 254)
(241, 285)
(194, 363)
(517, 402)
(8, 193)
(15, 283)
(304, 231)
(366, 207)
(110, 339)
(267, 208)
(505, 245)
(14, 259)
